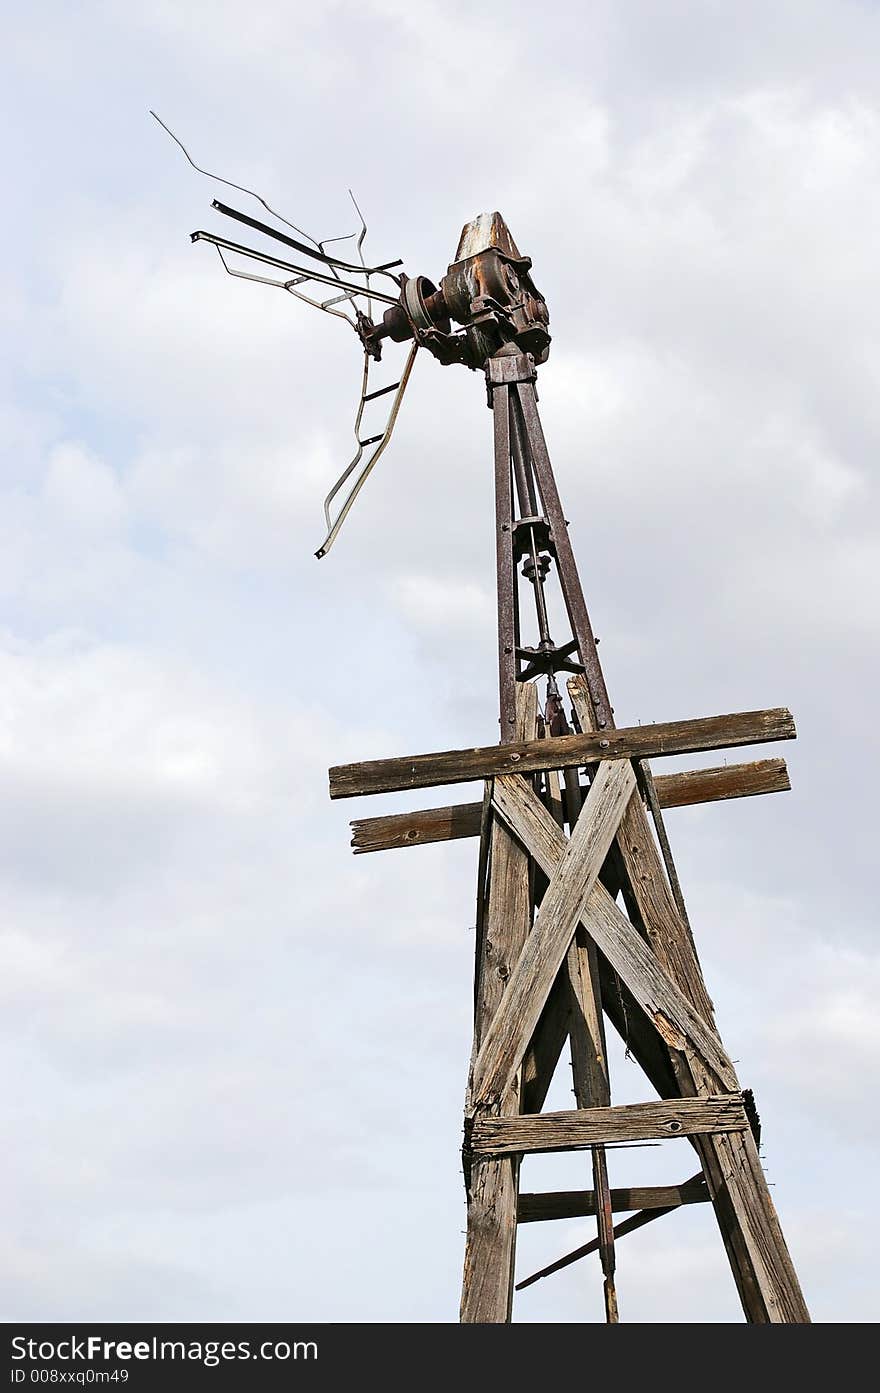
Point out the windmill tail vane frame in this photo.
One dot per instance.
(487, 291)
(581, 916)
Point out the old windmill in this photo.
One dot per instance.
(580, 912)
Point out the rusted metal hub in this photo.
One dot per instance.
(487, 289)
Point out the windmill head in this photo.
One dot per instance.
(487, 302)
(487, 290)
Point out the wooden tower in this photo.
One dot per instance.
(580, 911)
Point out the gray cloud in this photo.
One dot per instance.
(238, 1053)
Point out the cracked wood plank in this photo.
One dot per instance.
(493, 1183)
(631, 958)
(528, 756)
(585, 1127)
(428, 825)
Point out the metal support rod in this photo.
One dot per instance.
(605, 1224)
(528, 499)
(537, 580)
(589, 1051)
(568, 574)
(505, 569)
(525, 488)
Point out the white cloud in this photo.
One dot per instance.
(200, 982)
(83, 490)
(431, 603)
(110, 718)
(825, 1041)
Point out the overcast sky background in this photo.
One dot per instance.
(236, 1055)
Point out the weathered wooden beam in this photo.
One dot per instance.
(725, 781)
(671, 1013)
(522, 757)
(637, 1032)
(574, 877)
(493, 1182)
(415, 829)
(554, 1027)
(761, 1264)
(589, 1070)
(428, 825)
(547, 1044)
(637, 1221)
(583, 1127)
(579, 1204)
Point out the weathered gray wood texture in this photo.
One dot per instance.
(726, 781)
(576, 1204)
(447, 824)
(508, 1034)
(550, 1036)
(633, 742)
(637, 1221)
(582, 1127)
(614, 935)
(487, 1282)
(760, 1261)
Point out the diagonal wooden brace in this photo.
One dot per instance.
(676, 1019)
(571, 882)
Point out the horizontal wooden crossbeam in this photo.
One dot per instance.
(646, 1215)
(724, 781)
(578, 1204)
(673, 790)
(416, 829)
(564, 751)
(584, 1127)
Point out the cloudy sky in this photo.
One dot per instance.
(235, 1054)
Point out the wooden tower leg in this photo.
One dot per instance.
(493, 1183)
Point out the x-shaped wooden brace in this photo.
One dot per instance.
(660, 971)
(574, 895)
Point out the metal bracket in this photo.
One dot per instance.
(507, 368)
(522, 536)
